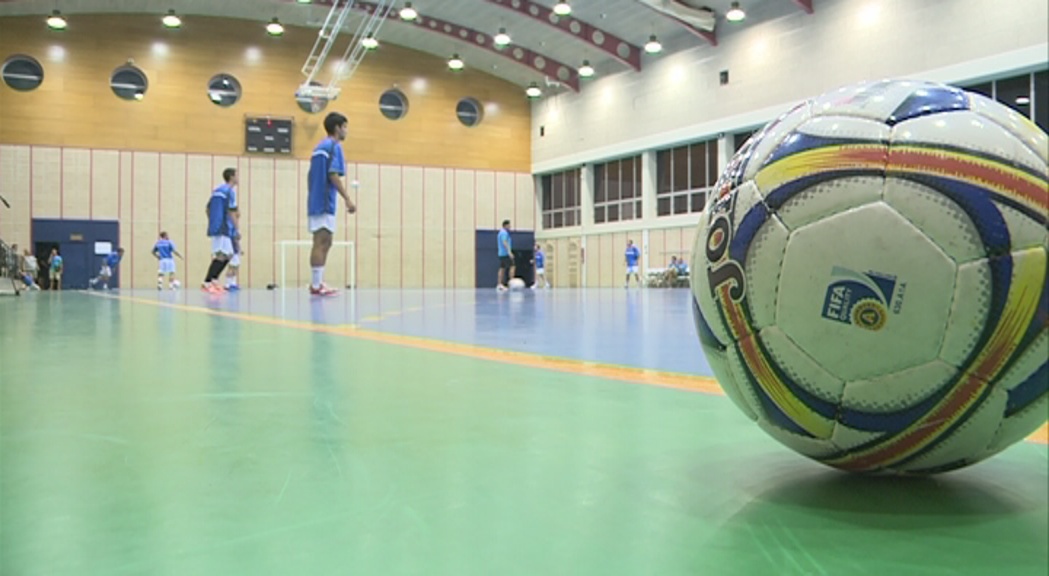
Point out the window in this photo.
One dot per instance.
(393, 104)
(129, 83)
(1028, 94)
(740, 138)
(223, 90)
(561, 199)
(469, 112)
(684, 175)
(617, 190)
(22, 73)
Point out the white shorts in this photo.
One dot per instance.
(105, 271)
(167, 266)
(221, 245)
(235, 261)
(538, 271)
(631, 269)
(321, 222)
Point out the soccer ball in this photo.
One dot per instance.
(175, 284)
(870, 278)
(517, 284)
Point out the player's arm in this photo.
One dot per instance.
(336, 172)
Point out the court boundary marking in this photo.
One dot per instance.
(575, 366)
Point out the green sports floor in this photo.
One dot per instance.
(440, 433)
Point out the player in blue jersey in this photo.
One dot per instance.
(219, 219)
(539, 259)
(633, 254)
(327, 169)
(106, 272)
(56, 269)
(165, 252)
(505, 248)
(233, 270)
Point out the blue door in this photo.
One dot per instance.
(76, 241)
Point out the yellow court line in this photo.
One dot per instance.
(568, 365)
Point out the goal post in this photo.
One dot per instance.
(348, 245)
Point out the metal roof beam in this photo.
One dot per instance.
(616, 47)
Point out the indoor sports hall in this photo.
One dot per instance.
(494, 327)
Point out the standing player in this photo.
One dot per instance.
(506, 259)
(327, 169)
(55, 263)
(234, 261)
(632, 256)
(218, 210)
(111, 262)
(540, 272)
(165, 251)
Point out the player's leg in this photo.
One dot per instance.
(322, 227)
(221, 250)
(231, 272)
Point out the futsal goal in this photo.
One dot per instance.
(339, 271)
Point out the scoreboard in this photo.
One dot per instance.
(265, 135)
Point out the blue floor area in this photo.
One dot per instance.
(645, 328)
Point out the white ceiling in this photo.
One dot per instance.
(630, 20)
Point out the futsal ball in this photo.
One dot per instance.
(175, 284)
(517, 284)
(869, 278)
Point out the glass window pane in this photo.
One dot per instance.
(613, 213)
(570, 218)
(681, 204)
(1041, 100)
(680, 168)
(547, 195)
(547, 220)
(663, 206)
(626, 178)
(559, 219)
(572, 184)
(984, 89)
(663, 161)
(712, 164)
(637, 209)
(627, 211)
(599, 183)
(612, 183)
(599, 214)
(698, 201)
(1015, 93)
(559, 198)
(697, 158)
(739, 139)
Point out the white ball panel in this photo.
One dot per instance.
(876, 100)
(967, 440)
(969, 308)
(848, 127)
(762, 270)
(829, 198)
(899, 390)
(741, 377)
(811, 447)
(1022, 128)
(800, 368)
(967, 129)
(872, 239)
(1029, 361)
(846, 438)
(719, 362)
(772, 135)
(1024, 232)
(940, 219)
(1017, 427)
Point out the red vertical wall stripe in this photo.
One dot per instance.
(402, 228)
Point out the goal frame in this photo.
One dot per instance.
(350, 246)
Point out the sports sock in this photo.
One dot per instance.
(318, 277)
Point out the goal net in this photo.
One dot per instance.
(340, 271)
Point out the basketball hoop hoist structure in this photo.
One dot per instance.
(311, 90)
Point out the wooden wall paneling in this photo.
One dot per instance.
(15, 186)
(47, 181)
(434, 237)
(389, 232)
(524, 201)
(413, 237)
(144, 218)
(484, 185)
(105, 184)
(367, 218)
(465, 228)
(76, 183)
(505, 205)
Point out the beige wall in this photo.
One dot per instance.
(414, 226)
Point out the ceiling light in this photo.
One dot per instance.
(56, 22)
(562, 8)
(533, 90)
(139, 95)
(455, 62)
(304, 1)
(586, 70)
(408, 13)
(502, 38)
(653, 46)
(274, 28)
(1023, 100)
(171, 20)
(735, 13)
(370, 42)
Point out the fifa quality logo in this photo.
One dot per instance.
(862, 298)
(722, 269)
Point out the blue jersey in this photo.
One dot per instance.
(326, 160)
(540, 259)
(164, 249)
(218, 211)
(632, 254)
(113, 259)
(505, 244)
(56, 262)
